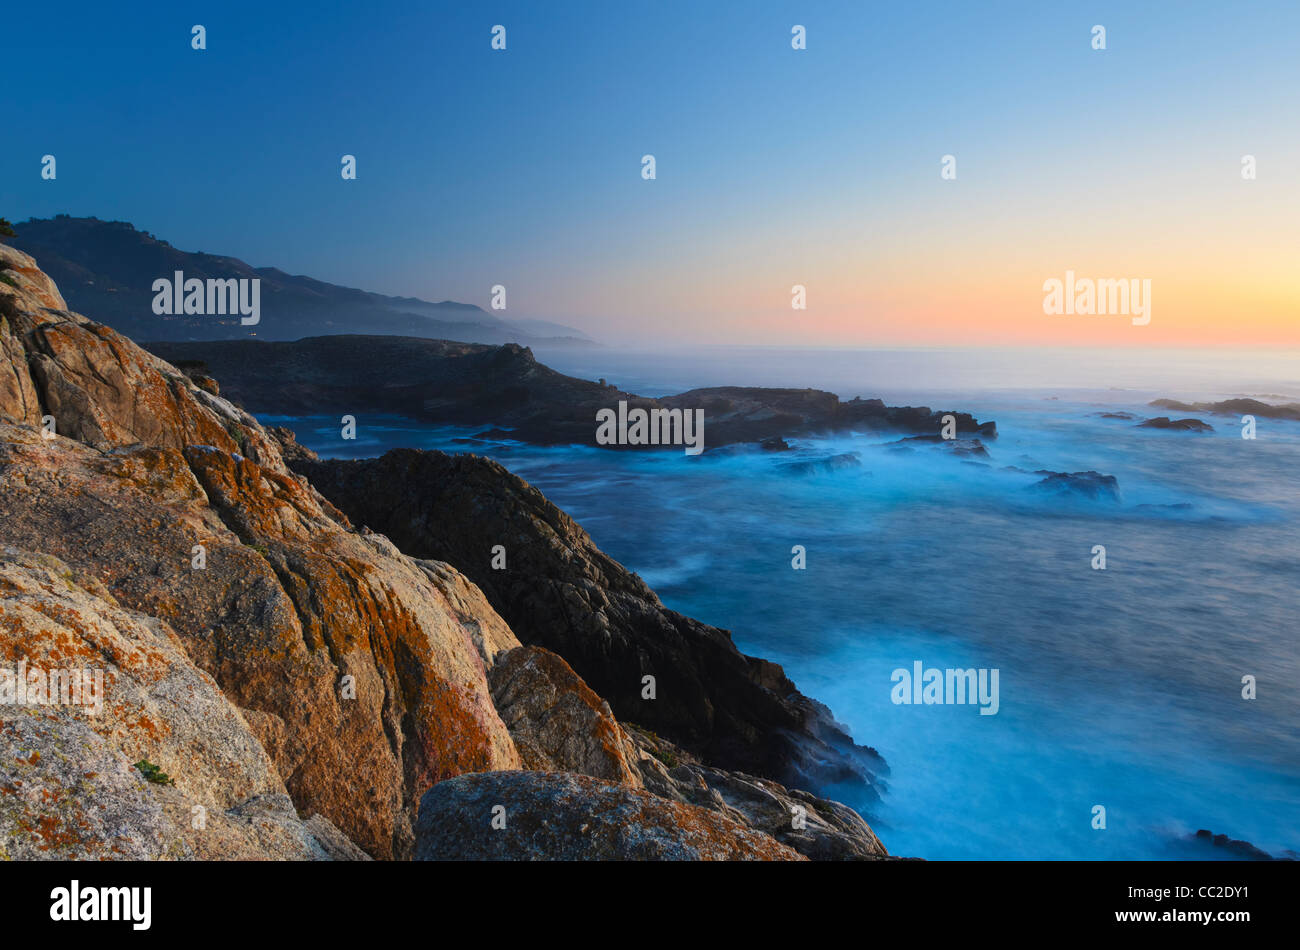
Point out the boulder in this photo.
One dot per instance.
(557, 722)
(557, 816)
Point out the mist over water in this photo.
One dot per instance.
(1119, 688)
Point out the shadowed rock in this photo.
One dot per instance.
(1243, 850)
(562, 592)
(818, 828)
(559, 724)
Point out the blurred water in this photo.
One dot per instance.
(1119, 688)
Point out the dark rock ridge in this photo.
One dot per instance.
(561, 592)
(505, 387)
(1242, 850)
(1235, 407)
(1179, 425)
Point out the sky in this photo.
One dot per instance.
(774, 167)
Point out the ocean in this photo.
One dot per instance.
(1119, 688)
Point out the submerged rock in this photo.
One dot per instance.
(823, 466)
(965, 448)
(1181, 425)
(1079, 484)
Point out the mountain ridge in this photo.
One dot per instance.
(108, 268)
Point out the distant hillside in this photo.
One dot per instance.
(107, 268)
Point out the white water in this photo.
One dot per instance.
(1119, 688)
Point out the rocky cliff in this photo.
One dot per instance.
(276, 682)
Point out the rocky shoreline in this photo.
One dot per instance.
(281, 682)
(506, 389)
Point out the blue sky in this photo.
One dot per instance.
(819, 166)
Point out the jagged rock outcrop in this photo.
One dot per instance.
(562, 592)
(354, 665)
(558, 816)
(506, 388)
(817, 828)
(560, 725)
(87, 690)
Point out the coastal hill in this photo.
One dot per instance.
(505, 387)
(280, 682)
(1235, 407)
(108, 268)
